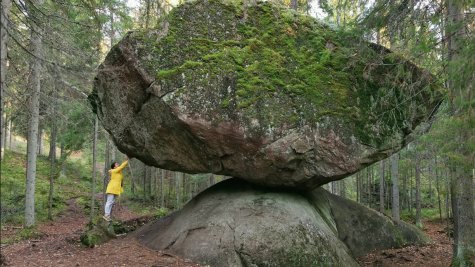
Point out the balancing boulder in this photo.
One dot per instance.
(253, 90)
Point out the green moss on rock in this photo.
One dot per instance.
(276, 57)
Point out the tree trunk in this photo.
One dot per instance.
(132, 187)
(418, 221)
(40, 142)
(411, 193)
(107, 165)
(369, 183)
(33, 118)
(381, 186)
(462, 194)
(112, 151)
(4, 133)
(342, 188)
(437, 188)
(10, 129)
(293, 4)
(178, 190)
(395, 206)
(53, 155)
(94, 160)
(145, 170)
(155, 183)
(4, 18)
(147, 13)
(162, 191)
(447, 206)
(358, 187)
(148, 171)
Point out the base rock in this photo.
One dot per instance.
(236, 223)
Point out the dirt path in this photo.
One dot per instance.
(60, 246)
(436, 254)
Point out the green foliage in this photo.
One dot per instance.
(13, 187)
(161, 212)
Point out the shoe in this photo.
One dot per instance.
(107, 218)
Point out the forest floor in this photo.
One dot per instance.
(59, 244)
(438, 253)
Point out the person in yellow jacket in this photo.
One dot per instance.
(115, 187)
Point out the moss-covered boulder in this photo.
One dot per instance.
(235, 223)
(98, 231)
(253, 90)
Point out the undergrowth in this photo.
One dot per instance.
(76, 183)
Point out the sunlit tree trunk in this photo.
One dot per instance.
(33, 86)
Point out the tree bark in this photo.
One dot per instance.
(94, 160)
(148, 185)
(342, 188)
(178, 190)
(358, 187)
(462, 194)
(293, 4)
(437, 186)
(395, 206)
(33, 120)
(40, 142)
(10, 129)
(53, 155)
(4, 17)
(107, 165)
(381, 186)
(155, 182)
(4, 132)
(132, 187)
(418, 221)
(162, 191)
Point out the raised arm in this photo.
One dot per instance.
(122, 166)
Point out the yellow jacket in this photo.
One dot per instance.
(115, 185)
